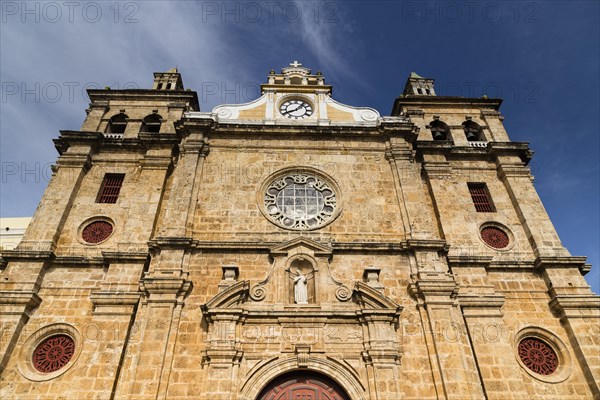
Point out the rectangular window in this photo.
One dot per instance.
(111, 186)
(481, 197)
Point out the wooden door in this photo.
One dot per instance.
(303, 387)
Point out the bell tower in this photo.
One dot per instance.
(170, 80)
(417, 85)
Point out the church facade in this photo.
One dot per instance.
(294, 247)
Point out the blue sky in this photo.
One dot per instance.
(542, 57)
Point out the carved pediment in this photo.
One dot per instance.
(369, 298)
(231, 297)
(316, 248)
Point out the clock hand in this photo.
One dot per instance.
(287, 111)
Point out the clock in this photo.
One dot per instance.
(296, 109)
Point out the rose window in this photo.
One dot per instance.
(300, 202)
(97, 231)
(538, 356)
(495, 237)
(53, 353)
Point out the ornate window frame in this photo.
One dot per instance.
(265, 200)
(564, 369)
(25, 360)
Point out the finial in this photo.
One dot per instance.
(295, 64)
(272, 72)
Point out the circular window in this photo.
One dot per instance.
(542, 354)
(300, 200)
(53, 353)
(538, 356)
(97, 232)
(495, 237)
(49, 352)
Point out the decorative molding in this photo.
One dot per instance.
(114, 303)
(438, 169)
(28, 299)
(164, 289)
(477, 305)
(434, 288)
(302, 354)
(574, 305)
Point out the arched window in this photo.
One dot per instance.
(117, 124)
(151, 123)
(472, 131)
(159, 86)
(168, 85)
(439, 130)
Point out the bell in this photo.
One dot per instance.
(471, 136)
(439, 135)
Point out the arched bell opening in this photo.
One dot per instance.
(303, 384)
(439, 130)
(473, 131)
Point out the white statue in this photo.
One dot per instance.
(301, 289)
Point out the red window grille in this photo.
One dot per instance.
(481, 197)
(53, 353)
(111, 186)
(538, 356)
(495, 237)
(97, 231)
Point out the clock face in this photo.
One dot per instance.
(296, 109)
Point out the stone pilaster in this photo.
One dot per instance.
(115, 304)
(94, 116)
(222, 360)
(19, 296)
(435, 290)
(176, 221)
(533, 217)
(74, 162)
(149, 357)
(578, 309)
(491, 345)
(410, 191)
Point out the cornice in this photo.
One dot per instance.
(491, 149)
(385, 127)
(97, 139)
(445, 101)
(171, 96)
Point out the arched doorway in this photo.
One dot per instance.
(303, 385)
